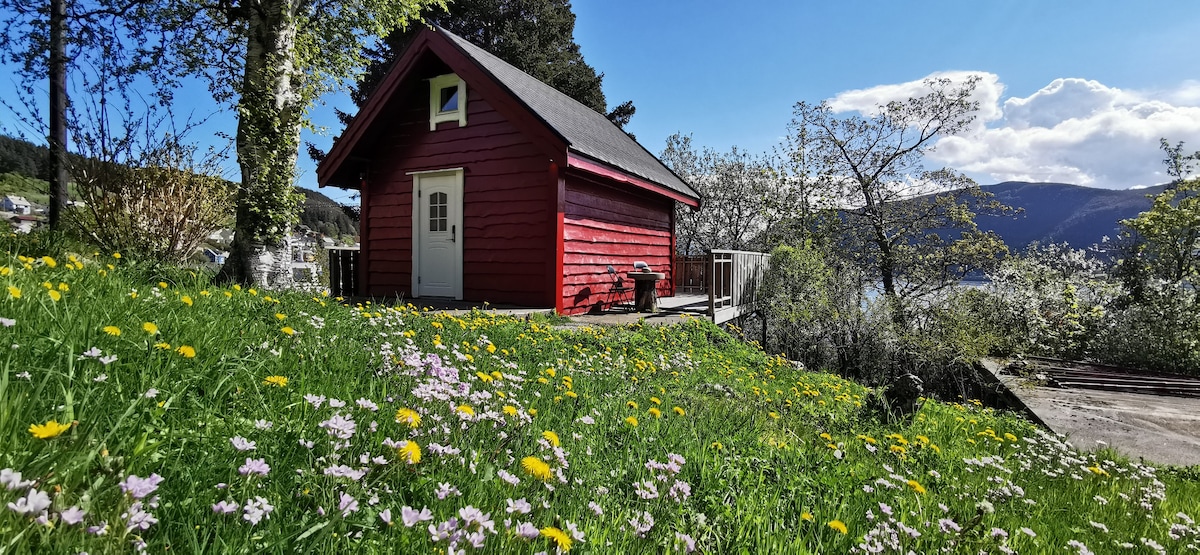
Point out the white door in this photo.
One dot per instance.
(437, 234)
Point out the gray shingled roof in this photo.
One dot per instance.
(585, 130)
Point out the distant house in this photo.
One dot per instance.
(16, 204)
(216, 257)
(24, 223)
(481, 183)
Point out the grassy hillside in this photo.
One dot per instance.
(1057, 212)
(186, 417)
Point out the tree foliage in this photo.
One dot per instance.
(1165, 240)
(535, 36)
(736, 188)
(913, 229)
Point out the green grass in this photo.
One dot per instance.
(771, 456)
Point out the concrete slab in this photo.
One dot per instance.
(1159, 429)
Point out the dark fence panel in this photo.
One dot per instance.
(343, 272)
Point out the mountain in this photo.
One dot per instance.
(1058, 212)
(323, 215)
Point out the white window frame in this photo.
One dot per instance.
(437, 116)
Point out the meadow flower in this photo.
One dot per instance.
(646, 490)
(277, 381)
(916, 486)
(48, 430)
(72, 516)
(54, 295)
(263, 424)
(560, 538)
(839, 526)
(49, 261)
(807, 516)
(508, 477)
(446, 490)
(139, 488)
(11, 480)
(7, 322)
(242, 444)
(655, 412)
(150, 328)
(510, 410)
(14, 292)
(108, 359)
(685, 542)
(138, 518)
(347, 504)
(642, 524)
(254, 466)
(287, 330)
(587, 420)
(34, 502)
(256, 510)
(225, 507)
(339, 426)
(187, 351)
(679, 411)
(520, 506)
(112, 330)
(150, 393)
(527, 530)
(595, 507)
(465, 411)
(409, 452)
(537, 468)
(366, 404)
(411, 517)
(947, 526)
(314, 400)
(1079, 547)
(551, 437)
(632, 421)
(186, 300)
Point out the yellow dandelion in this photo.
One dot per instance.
(632, 404)
(509, 410)
(773, 414)
(485, 378)
(679, 411)
(117, 255)
(409, 452)
(49, 261)
(237, 287)
(55, 296)
(656, 400)
(532, 412)
(655, 412)
(537, 468)
(916, 486)
(63, 287)
(632, 421)
(897, 449)
(825, 436)
(163, 345)
(277, 381)
(112, 330)
(186, 300)
(5, 271)
(187, 351)
(14, 292)
(287, 330)
(806, 516)
(550, 372)
(839, 526)
(48, 430)
(162, 285)
(150, 328)
(252, 291)
(491, 348)
(560, 538)
(571, 394)
(280, 316)
(408, 416)
(465, 410)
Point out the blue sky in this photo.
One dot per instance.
(1073, 91)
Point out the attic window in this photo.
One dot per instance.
(447, 100)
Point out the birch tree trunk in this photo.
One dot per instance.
(270, 115)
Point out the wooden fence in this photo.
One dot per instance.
(731, 279)
(343, 271)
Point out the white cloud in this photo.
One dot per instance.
(867, 101)
(1072, 130)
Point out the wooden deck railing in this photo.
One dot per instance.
(343, 271)
(734, 277)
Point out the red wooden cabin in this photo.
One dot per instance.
(523, 195)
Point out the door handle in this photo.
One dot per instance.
(452, 233)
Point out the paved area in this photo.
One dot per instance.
(1159, 429)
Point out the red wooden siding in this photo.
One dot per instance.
(605, 225)
(508, 254)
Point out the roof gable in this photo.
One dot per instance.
(562, 119)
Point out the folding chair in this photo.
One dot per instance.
(618, 292)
